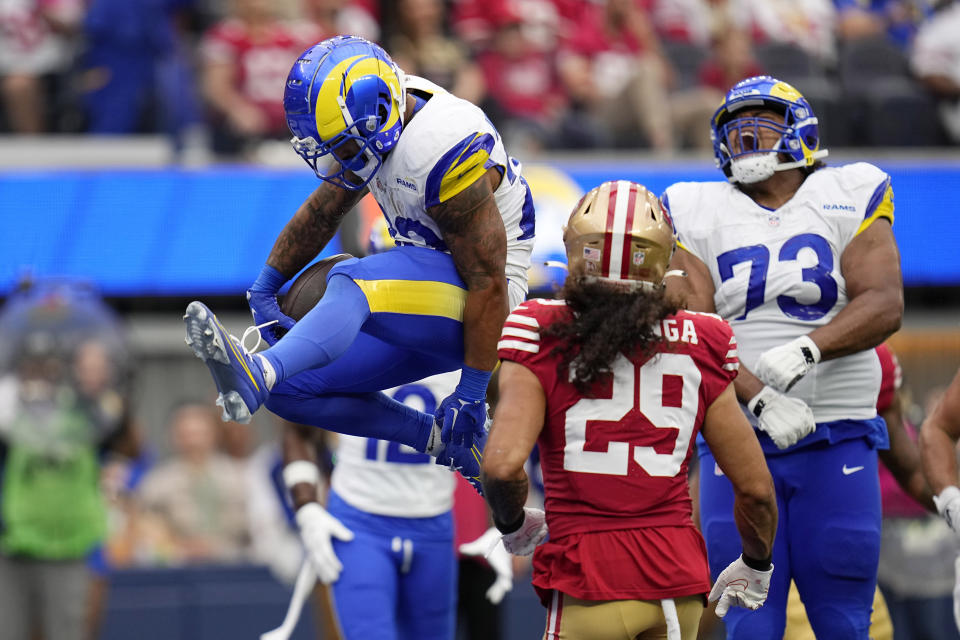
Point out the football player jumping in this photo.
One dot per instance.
(463, 219)
(801, 260)
(614, 383)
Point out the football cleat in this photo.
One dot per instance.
(238, 375)
(466, 460)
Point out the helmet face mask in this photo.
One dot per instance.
(753, 147)
(620, 234)
(345, 101)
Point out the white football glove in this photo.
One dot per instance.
(317, 528)
(948, 506)
(740, 586)
(782, 367)
(786, 420)
(532, 532)
(488, 546)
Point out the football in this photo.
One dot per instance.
(308, 288)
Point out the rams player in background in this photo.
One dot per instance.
(463, 220)
(801, 260)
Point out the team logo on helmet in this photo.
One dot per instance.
(620, 233)
(344, 102)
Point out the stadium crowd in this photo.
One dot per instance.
(557, 74)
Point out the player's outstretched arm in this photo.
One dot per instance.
(871, 268)
(472, 228)
(938, 453)
(516, 426)
(739, 456)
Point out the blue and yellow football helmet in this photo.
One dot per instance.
(346, 97)
(798, 137)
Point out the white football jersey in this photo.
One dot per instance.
(391, 479)
(444, 149)
(777, 273)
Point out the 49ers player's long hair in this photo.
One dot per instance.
(619, 241)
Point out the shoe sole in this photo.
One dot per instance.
(204, 338)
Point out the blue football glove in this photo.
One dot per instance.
(262, 298)
(464, 412)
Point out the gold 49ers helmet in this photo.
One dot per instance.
(620, 233)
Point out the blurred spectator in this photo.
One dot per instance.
(808, 24)
(475, 21)
(897, 19)
(614, 67)
(199, 495)
(35, 47)
(136, 75)
(697, 22)
(62, 398)
(246, 59)
(237, 441)
(421, 48)
(936, 62)
(333, 17)
(731, 62)
(525, 97)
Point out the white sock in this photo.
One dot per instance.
(269, 375)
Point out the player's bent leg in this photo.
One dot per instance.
(340, 397)
(570, 618)
(835, 529)
(325, 333)
(238, 375)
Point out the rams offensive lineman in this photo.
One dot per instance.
(800, 258)
(463, 219)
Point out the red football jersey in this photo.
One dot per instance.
(263, 62)
(618, 460)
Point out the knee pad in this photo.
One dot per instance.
(846, 551)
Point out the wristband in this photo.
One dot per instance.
(507, 529)
(270, 279)
(473, 383)
(756, 565)
(756, 404)
(300, 471)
